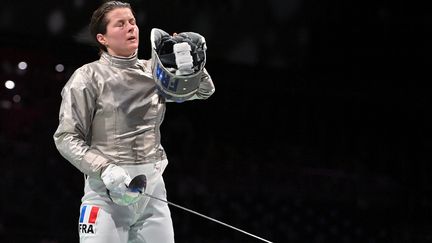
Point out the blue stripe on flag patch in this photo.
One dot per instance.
(83, 209)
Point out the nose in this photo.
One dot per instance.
(131, 27)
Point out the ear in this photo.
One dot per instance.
(101, 38)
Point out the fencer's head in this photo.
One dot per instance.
(113, 27)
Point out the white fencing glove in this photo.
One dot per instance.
(117, 180)
(183, 58)
(115, 177)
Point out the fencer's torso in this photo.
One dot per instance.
(111, 112)
(128, 111)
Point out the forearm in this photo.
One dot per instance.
(79, 154)
(206, 87)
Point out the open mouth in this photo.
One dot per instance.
(131, 38)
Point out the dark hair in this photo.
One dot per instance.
(98, 22)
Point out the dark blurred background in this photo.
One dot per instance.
(318, 130)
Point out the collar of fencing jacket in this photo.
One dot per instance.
(120, 62)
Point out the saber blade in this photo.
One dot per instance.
(207, 217)
(139, 183)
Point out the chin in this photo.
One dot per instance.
(133, 48)
(132, 51)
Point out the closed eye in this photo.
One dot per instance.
(119, 24)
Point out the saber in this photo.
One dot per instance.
(139, 183)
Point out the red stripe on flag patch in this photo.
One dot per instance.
(93, 215)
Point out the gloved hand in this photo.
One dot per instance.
(117, 180)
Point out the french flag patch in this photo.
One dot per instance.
(87, 219)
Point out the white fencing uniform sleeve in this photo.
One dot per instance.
(75, 119)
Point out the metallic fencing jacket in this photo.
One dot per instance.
(111, 112)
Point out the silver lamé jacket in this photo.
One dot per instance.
(111, 112)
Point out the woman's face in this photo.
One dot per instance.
(122, 34)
